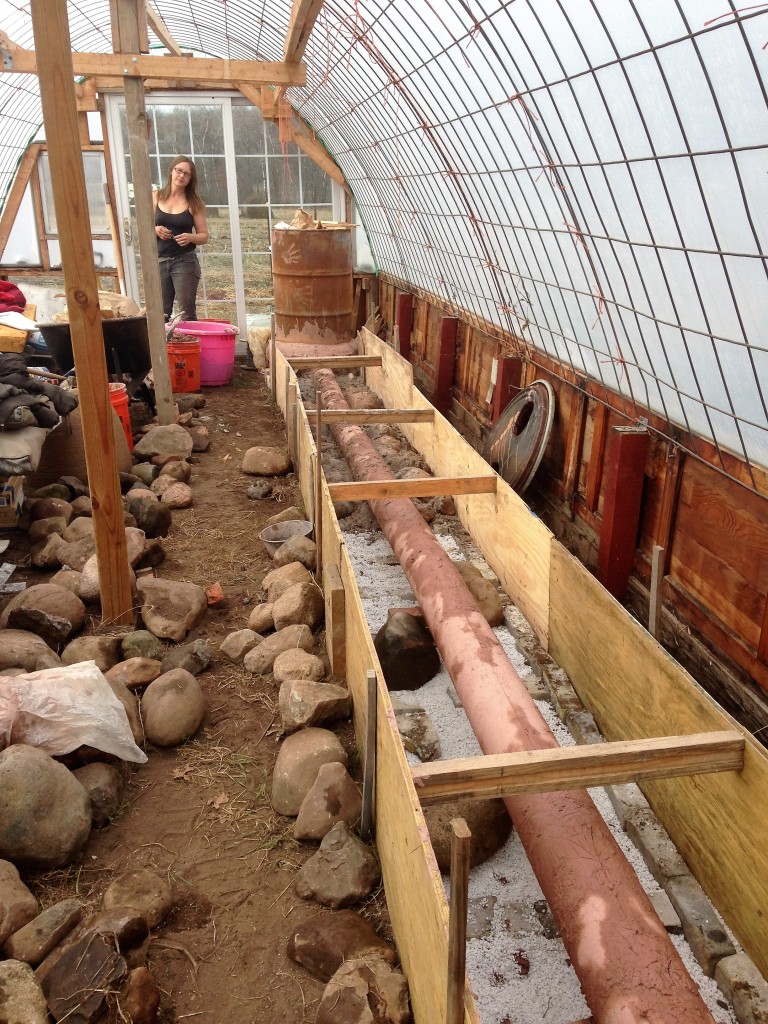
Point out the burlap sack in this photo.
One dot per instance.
(63, 453)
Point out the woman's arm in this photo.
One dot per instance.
(197, 237)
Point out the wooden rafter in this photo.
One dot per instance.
(120, 66)
(160, 29)
(12, 203)
(303, 18)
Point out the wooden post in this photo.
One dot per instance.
(272, 359)
(596, 457)
(129, 41)
(369, 767)
(461, 845)
(57, 94)
(508, 374)
(446, 361)
(623, 476)
(574, 448)
(657, 576)
(335, 621)
(290, 402)
(405, 323)
(319, 484)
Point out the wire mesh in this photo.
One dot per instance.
(587, 175)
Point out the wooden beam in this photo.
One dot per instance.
(85, 93)
(461, 849)
(335, 621)
(136, 121)
(57, 95)
(133, 64)
(657, 577)
(16, 194)
(404, 324)
(446, 362)
(574, 447)
(429, 487)
(160, 29)
(303, 18)
(377, 415)
(332, 362)
(596, 456)
(624, 474)
(561, 768)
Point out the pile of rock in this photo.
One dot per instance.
(82, 970)
(312, 784)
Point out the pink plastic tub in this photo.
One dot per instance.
(217, 349)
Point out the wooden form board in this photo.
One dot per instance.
(514, 542)
(636, 690)
(412, 881)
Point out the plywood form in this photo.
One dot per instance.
(513, 540)
(636, 690)
(412, 881)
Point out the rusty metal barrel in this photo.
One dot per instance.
(312, 278)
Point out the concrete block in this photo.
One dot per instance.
(480, 916)
(626, 798)
(583, 727)
(668, 916)
(564, 697)
(657, 849)
(744, 988)
(702, 928)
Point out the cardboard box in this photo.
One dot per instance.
(11, 497)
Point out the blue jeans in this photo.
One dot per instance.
(179, 278)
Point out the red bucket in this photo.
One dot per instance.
(118, 396)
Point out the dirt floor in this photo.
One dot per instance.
(200, 814)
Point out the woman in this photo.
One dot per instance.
(180, 226)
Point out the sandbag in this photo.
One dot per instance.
(63, 453)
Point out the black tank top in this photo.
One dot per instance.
(179, 223)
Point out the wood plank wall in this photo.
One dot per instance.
(714, 531)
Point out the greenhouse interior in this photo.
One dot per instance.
(383, 511)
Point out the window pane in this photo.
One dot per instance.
(248, 126)
(315, 183)
(251, 179)
(171, 134)
(254, 230)
(23, 249)
(219, 230)
(95, 176)
(207, 129)
(212, 180)
(284, 180)
(218, 277)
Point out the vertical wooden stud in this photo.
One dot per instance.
(508, 376)
(670, 495)
(446, 360)
(657, 575)
(623, 474)
(405, 323)
(319, 483)
(369, 767)
(335, 621)
(272, 359)
(290, 402)
(573, 450)
(596, 454)
(57, 93)
(128, 35)
(461, 844)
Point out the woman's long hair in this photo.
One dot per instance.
(194, 201)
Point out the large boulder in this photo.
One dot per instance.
(299, 760)
(171, 440)
(483, 591)
(17, 904)
(303, 603)
(21, 998)
(144, 892)
(361, 984)
(266, 461)
(332, 798)
(406, 651)
(52, 612)
(261, 659)
(342, 872)
(170, 609)
(488, 821)
(45, 814)
(324, 943)
(281, 579)
(172, 708)
(20, 649)
(104, 650)
(304, 702)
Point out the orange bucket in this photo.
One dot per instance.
(118, 396)
(184, 365)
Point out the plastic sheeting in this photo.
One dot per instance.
(589, 175)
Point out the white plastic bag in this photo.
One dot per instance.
(62, 708)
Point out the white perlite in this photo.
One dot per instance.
(549, 993)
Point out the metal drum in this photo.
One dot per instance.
(312, 277)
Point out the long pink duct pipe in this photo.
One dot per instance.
(629, 970)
